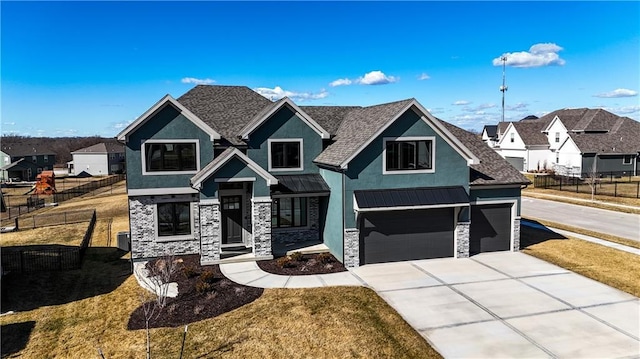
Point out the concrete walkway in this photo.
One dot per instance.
(248, 273)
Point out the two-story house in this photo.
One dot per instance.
(222, 167)
(23, 162)
(101, 159)
(573, 142)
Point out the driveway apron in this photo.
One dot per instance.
(499, 305)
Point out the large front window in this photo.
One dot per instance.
(289, 212)
(285, 155)
(174, 219)
(171, 157)
(401, 155)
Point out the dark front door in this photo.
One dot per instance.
(231, 219)
(406, 235)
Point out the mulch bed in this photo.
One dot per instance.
(319, 263)
(203, 292)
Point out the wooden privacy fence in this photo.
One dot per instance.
(29, 259)
(602, 185)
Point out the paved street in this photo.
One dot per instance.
(616, 223)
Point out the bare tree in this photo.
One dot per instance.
(592, 179)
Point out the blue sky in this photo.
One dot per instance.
(90, 68)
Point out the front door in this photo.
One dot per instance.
(231, 219)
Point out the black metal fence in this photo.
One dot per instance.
(603, 184)
(28, 259)
(54, 219)
(86, 188)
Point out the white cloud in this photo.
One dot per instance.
(195, 81)
(461, 103)
(8, 124)
(618, 93)
(122, 125)
(371, 78)
(517, 107)
(277, 93)
(340, 82)
(624, 110)
(423, 76)
(376, 78)
(544, 54)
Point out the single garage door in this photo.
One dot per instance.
(516, 162)
(490, 228)
(391, 236)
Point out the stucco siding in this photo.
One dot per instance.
(285, 124)
(496, 195)
(167, 124)
(332, 234)
(365, 171)
(234, 168)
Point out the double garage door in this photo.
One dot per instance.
(406, 235)
(391, 236)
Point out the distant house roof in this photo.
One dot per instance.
(531, 133)
(624, 140)
(492, 169)
(25, 149)
(103, 147)
(491, 130)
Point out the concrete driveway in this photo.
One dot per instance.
(508, 305)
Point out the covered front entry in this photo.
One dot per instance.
(389, 236)
(490, 228)
(232, 214)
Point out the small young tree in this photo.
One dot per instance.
(592, 179)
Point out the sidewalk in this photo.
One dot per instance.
(618, 246)
(248, 273)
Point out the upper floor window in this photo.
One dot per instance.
(408, 154)
(170, 157)
(112, 156)
(513, 138)
(627, 159)
(285, 155)
(46, 158)
(557, 137)
(34, 158)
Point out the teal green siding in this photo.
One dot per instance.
(234, 168)
(285, 125)
(167, 124)
(496, 194)
(365, 170)
(333, 227)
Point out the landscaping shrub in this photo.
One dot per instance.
(285, 262)
(297, 256)
(202, 286)
(325, 258)
(207, 277)
(190, 271)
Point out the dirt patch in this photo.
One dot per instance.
(307, 264)
(203, 292)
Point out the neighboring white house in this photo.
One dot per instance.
(98, 160)
(569, 141)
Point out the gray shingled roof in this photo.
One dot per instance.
(492, 130)
(492, 169)
(103, 147)
(531, 132)
(624, 140)
(22, 149)
(329, 117)
(358, 126)
(226, 109)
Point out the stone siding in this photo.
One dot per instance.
(462, 236)
(144, 244)
(516, 235)
(210, 232)
(312, 232)
(351, 248)
(261, 228)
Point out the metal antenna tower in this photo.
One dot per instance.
(503, 88)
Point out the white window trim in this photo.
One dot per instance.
(277, 140)
(164, 173)
(403, 139)
(293, 229)
(624, 157)
(182, 237)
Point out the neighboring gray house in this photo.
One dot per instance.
(569, 141)
(24, 161)
(223, 170)
(101, 159)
